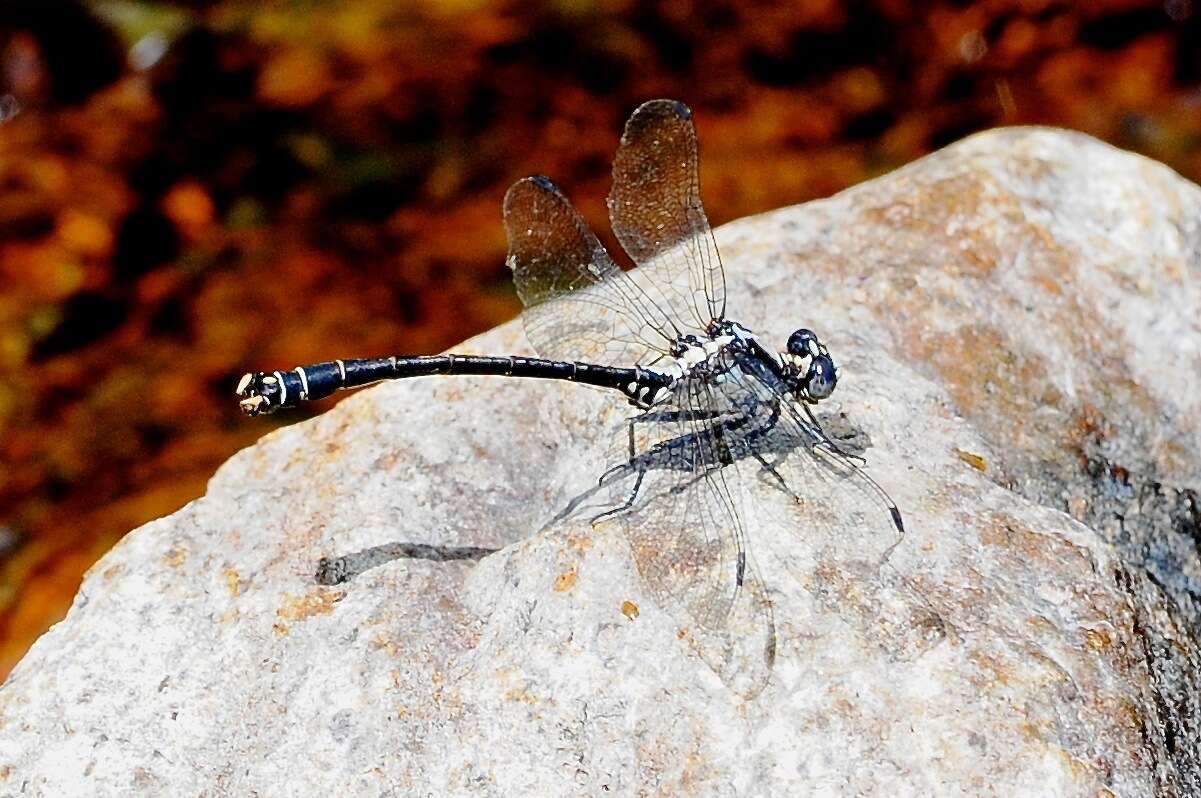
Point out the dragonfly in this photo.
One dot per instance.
(715, 408)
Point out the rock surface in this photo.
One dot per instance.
(1016, 318)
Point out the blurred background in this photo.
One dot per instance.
(191, 190)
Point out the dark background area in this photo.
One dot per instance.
(192, 190)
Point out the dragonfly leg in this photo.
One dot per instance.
(660, 417)
(833, 447)
(629, 502)
(771, 469)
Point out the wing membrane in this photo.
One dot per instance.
(579, 304)
(680, 503)
(847, 521)
(683, 515)
(656, 212)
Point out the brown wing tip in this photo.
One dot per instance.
(651, 112)
(536, 183)
(664, 106)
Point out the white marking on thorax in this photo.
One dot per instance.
(695, 355)
(741, 333)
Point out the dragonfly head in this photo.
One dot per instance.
(810, 364)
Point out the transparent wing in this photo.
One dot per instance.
(578, 304)
(656, 212)
(682, 512)
(845, 521)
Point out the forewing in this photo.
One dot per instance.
(845, 521)
(656, 212)
(686, 529)
(578, 304)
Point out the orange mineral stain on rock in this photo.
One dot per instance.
(579, 542)
(299, 608)
(995, 532)
(992, 671)
(233, 582)
(1098, 639)
(521, 695)
(566, 581)
(629, 609)
(1079, 770)
(1040, 622)
(388, 460)
(386, 644)
(1129, 716)
(175, 556)
(974, 460)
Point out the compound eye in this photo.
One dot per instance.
(802, 342)
(822, 377)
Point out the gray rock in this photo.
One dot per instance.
(1016, 318)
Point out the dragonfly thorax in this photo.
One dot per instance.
(805, 368)
(697, 355)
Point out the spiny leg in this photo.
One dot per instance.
(771, 469)
(662, 416)
(829, 442)
(856, 473)
(658, 448)
(629, 502)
